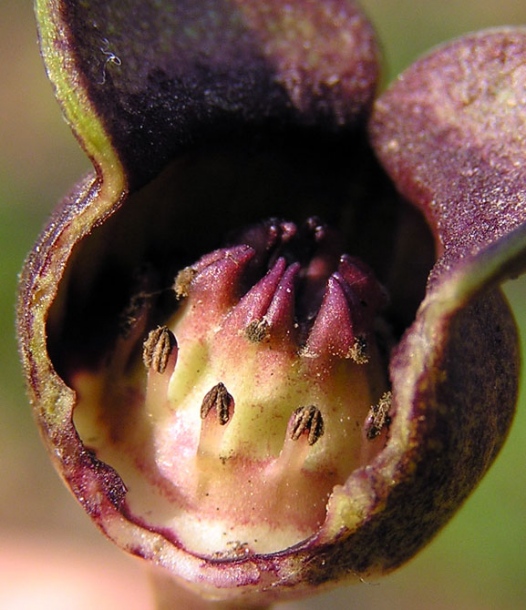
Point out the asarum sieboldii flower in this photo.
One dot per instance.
(264, 340)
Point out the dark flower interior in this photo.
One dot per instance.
(203, 197)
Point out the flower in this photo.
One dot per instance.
(264, 341)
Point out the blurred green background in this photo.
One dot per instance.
(477, 562)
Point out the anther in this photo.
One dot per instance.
(359, 352)
(257, 330)
(158, 348)
(218, 398)
(182, 282)
(378, 417)
(307, 420)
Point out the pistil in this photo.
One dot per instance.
(264, 390)
(277, 356)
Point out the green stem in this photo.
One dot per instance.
(170, 595)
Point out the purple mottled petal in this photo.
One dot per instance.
(451, 131)
(165, 75)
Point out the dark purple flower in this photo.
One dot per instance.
(264, 340)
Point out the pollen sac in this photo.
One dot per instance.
(309, 421)
(220, 400)
(378, 418)
(158, 348)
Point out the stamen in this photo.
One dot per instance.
(158, 348)
(218, 398)
(358, 351)
(257, 330)
(309, 420)
(378, 417)
(182, 282)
